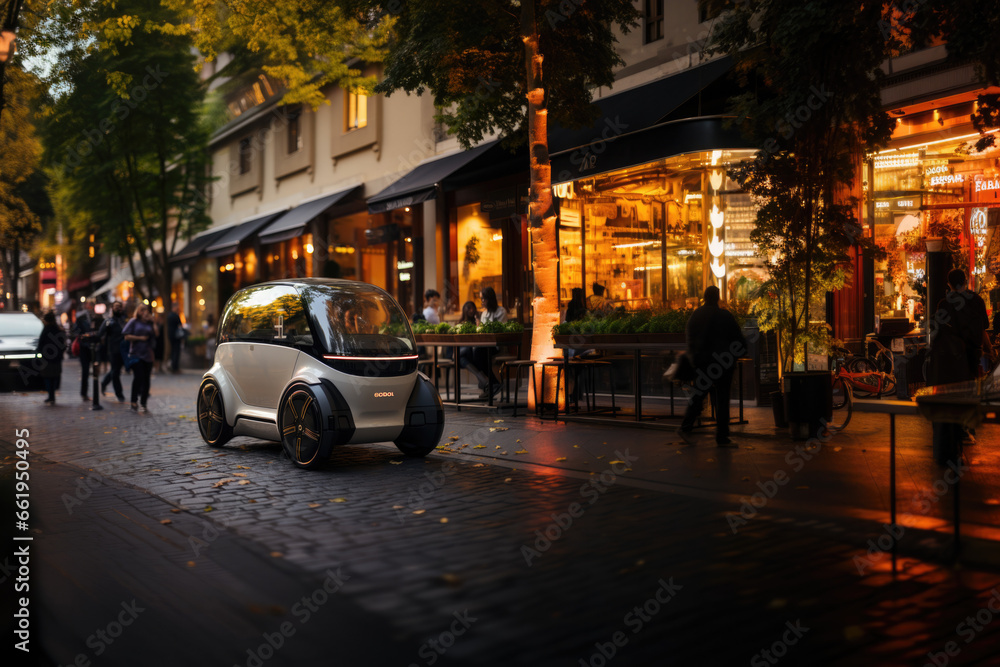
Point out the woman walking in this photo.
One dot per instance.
(141, 333)
(49, 354)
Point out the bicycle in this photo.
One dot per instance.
(846, 382)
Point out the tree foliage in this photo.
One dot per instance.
(305, 44)
(812, 105)
(123, 135)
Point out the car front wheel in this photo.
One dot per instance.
(301, 419)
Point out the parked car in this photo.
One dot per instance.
(19, 334)
(316, 363)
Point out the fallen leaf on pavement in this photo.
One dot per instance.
(338, 500)
(244, 481)
(277, 554)
(611, 463)
(166, 522)
(208, 508)
(561, 458)
(175, 511)
(497, 421)
(396, 463)
(313, 505)
(239, 474)
(480, 447)
(453, 437)
(223, 481)
(479, 465)
(190, 563)
(499, 428)
(508, 479)
(418, 512)
(521, 451)
(444, 520)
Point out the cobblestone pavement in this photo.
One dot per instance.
(541, 544)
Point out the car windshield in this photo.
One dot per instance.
(20, 325)
(358, 320)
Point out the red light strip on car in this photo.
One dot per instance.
(406, 358)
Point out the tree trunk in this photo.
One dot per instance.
(541, 211)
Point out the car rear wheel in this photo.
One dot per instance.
(212, 415)
(301, 420)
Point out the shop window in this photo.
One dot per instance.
(294, 130)
(356, 115)
(246, 155)
(653, 20)
(480, 256)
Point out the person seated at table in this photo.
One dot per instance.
(577, 308)
(467, 355)
(492, 312)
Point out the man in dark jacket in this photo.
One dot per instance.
(958, 340)
(176, 335)
(111, 336)
(83, 330)
(714, 343)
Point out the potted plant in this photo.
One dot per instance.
(813, 117)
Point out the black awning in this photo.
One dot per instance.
(649, 145)
(639, 108)
(294, 222)
(193, 250)
(229, 242)
(420, 185)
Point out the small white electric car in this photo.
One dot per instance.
(313, 363)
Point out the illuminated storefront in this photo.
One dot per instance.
(657, 234)
(942, 189)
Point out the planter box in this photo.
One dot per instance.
(478, 338)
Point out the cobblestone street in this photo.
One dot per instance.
(516, 542)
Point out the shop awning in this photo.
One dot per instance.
(640, 107)
(193, 250)
(122, 275)
(420, 185)
(229, 242)
(294, 222)
(654, 143)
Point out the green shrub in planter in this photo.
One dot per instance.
(422, 327)
(513, 326)
(491, 328)
(442, 328)
(465, 328)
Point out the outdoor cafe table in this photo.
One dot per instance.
(638, 345)
(455, 341)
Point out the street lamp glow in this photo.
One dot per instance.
(198, 288)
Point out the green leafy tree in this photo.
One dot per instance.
(123, 133)
(812, 79)
(22, 198)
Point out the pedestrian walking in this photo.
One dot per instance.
(141, 333)
(111, 337)
(958, 341)
(84, 332)
(176, 335)
(49, 355)
(158, 346)
(715, 342)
